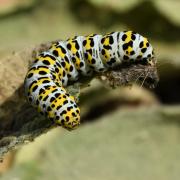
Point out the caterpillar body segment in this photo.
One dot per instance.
(65, 61)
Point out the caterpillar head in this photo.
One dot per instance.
(69, 117)
(71, 120)
(136, 48)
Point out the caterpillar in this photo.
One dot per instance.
(65, 61)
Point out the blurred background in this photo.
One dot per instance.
(126, 133)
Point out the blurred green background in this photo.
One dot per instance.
(128, 133)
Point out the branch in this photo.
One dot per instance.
(20, 123)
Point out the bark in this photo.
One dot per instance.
(20, 123)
